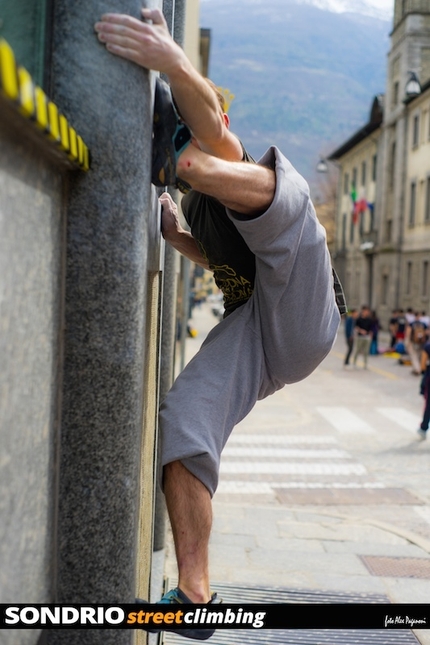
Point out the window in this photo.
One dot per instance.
(354, 178)
(346, 184)
(408, 277)
(344, 218)
(357, 286)
(416, 131)
(374, 162)
(388, 230)
(363, 173)
(425, 280)
(395, 93)
(412, 204)
(384, 288)
(392, 163)
(351, 230)
(427, 211)
(372, 217)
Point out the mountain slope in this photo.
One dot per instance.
(303, 77)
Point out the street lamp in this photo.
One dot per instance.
(413, 87)
(322, 166)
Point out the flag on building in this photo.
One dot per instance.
(359, 206)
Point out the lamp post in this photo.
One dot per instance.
(413, 87)
(322, 166)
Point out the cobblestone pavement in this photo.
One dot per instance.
(326, 486)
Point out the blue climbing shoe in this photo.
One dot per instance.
(177, 597)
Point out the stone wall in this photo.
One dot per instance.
(81, 275)
(31, 311)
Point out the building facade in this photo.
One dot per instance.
(382, 248)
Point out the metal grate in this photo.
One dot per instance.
(397, 567)
(303, 637)
(260, 594)
(234, 594)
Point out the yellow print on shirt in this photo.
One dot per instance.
(234, 287)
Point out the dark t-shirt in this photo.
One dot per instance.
(221, 244)
(364, 323)
(401, 324)
(426, 349)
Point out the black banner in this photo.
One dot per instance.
(250, 616)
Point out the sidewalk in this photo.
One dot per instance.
(324, 494)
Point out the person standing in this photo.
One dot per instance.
(375, 331)
(363, 334)
(425, 390)
(402, 323)
(416, 337)
(349, 334)
(424, 318)
(392, 326)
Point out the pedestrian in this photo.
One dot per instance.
(374, 351)
(425, 390)
(392, 326)
(425, 319)
(363, 335)
(349, 334)
(401, 325)
(415, 339)
(410, 316)
(254, 226)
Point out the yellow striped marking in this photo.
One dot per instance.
(8, 74)
(73, 154)
(86, 165)
(54, 124)
(41, 108)
(80, 150)
(26, 93)
(64, 134)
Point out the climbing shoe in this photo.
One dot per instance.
(170, 137)
(177, 597)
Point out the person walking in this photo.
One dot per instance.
(374, 351)
(349, 334)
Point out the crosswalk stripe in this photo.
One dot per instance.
(401, 417)
(286, 468)
(424, 512)
(284, 453)
(266, 488)
(344, 420)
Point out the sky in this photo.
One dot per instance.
(380, 8)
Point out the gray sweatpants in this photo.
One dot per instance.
(279, 336)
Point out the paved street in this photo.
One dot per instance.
(326, 486)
